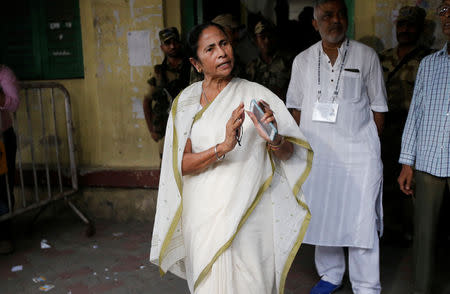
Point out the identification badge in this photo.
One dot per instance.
(325, 112)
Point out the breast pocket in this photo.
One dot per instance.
(351, 83)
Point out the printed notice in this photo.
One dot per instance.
(139, 48)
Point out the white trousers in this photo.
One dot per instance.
(363, 266)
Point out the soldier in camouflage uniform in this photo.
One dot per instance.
(400, 65)
(167, 80)
(271, 68)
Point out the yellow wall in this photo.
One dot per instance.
(172, 14)
(364, 18)
(110, 131)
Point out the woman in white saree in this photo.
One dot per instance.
(230, 213)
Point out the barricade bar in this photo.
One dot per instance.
(40, 161)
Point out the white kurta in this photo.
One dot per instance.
(344, 188)
(236, 226)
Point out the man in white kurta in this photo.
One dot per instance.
(343, 190)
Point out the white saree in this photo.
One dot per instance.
(237, 226)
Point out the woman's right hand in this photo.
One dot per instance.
(233, 125)
(196, 162)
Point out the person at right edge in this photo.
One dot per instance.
(400, 65)
(425, 153)
(337, 96)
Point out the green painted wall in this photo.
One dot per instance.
(351, 18)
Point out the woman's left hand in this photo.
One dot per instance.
(268, 117)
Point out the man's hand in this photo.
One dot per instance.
(378, 117)
(296, 114)
(405, 179)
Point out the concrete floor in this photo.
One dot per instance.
(115, 260)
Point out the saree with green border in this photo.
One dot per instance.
(236, 226)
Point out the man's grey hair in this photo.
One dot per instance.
(317, 3)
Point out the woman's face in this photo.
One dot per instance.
(215, 54)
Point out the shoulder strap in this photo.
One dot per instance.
(164, 78)
(405, 60)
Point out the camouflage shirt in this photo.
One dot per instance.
(400, 88)
(400, 85)
(274, 76)
(165, 84)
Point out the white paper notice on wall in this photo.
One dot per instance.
(138, 111)
(139, 48)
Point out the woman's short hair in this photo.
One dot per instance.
(194, 36)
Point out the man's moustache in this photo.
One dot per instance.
(336, 27)
(404, 34)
